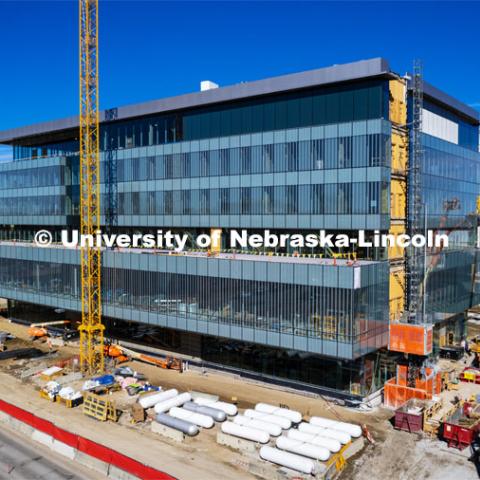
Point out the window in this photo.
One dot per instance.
(224, 201)
(292, 156)
(318, 154)
(246, 159)
(224, 161)
(344, 152)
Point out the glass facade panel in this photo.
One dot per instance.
(342, 315)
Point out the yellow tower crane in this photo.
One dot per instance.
(91, 329)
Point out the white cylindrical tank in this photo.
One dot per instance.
(229, 408)
(289, 460)
(353, 430)
(177, 401)
(270, 428)
(152, 400)
(196, 418)
(329, 443)
(283, 422)
(292, 415)
(302, 448)
(260, 436)
(342, 437)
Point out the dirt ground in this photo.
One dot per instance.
(396, 455)
(405, 456)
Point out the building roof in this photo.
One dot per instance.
(450, 102)
(372, 68)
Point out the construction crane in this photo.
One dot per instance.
(91, 329)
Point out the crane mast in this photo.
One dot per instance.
(91, 328)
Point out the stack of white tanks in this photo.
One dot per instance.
(179, 412)
(311, 442)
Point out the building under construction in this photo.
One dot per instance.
(344, 148)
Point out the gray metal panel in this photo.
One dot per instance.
(338, 73)
(442, 97)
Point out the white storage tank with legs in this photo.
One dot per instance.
(353, 430)
(196, 418)
(177, 401)
(292, 415)
(283, 422)
(289, 460)
(331, 444)
(342, 437)
(253, 434)
(151, 400)
(270, 428)
(306, 449)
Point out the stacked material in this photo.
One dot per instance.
(102, 381)
(51, 389)
(51, 373)
(68, 393)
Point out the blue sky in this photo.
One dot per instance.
(153, 49)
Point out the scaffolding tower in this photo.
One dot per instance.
(415, 207)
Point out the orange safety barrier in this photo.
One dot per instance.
(85, 445)
(396, 392)
(395, 395)
(410, 338)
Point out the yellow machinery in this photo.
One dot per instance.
(474, 345)
(91, 329)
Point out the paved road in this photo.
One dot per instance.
(21, 459)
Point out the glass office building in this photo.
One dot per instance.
(293, 154)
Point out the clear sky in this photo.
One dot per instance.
(154, 49)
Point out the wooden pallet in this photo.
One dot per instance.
(99, 408)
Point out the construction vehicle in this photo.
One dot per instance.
(123, 354)
(39, 330)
